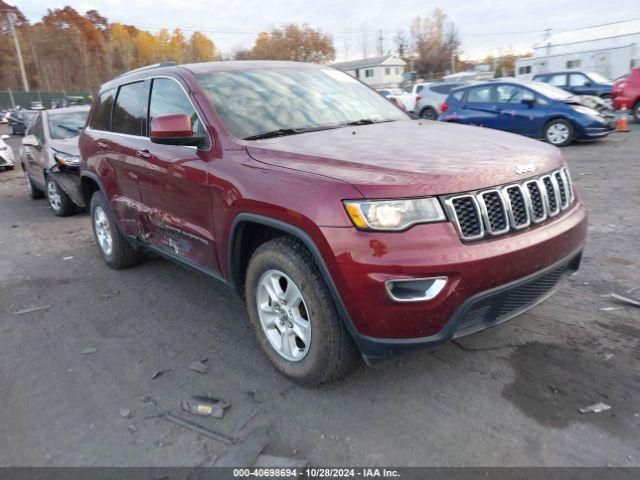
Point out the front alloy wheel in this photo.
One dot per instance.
(559, 133)
(283, 315)
(103, 231)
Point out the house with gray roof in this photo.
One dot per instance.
(377, 72)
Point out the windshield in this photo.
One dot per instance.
(549, 91)
(597, 78)
(66, 125)
(254, 102)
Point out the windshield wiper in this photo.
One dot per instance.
(281, 132)
(364, 121)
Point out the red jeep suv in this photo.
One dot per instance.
(347, 226)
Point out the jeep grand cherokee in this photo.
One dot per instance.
(347, 226)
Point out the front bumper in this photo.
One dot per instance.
(478, 274)
(69, 180)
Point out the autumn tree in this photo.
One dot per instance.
(200, 49)
(435, 41)
(292, 42)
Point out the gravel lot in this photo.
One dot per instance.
(508, 396)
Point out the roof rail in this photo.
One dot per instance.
(149, 67)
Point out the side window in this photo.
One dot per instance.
(458, 95)
(167, 97)
(419, 88)
(444, 89)
(559, 80)
(101, 116)
(480, 94)
(512, 94)
(578, 80)
(37, 130)
(127, 112)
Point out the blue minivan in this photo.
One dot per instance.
(578, 83)
(533, 109)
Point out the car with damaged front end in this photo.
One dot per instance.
(347, 226)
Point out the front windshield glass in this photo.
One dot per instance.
(255, 102)
(66, 125)
(597, 78)
(549, 91)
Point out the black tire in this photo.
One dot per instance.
(562, 123)
(122, 254)
(332, 352)
(34, 192)
(636, 112)
(429, 113)
(59, 201)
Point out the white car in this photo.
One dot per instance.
(431, 98)
(410, 95)
(6, 154)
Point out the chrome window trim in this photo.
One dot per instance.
(543, 200)
(449, 203)
(485, 212)
(527, 205)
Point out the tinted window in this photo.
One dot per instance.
(512, 94)
(444, 89)
(458, 95)
(36, 129)
(168, 97)
(101, 117)
(578, 80)
(558, 80)
(480, 94)
(127, 112)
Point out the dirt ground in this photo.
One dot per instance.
(507, 396)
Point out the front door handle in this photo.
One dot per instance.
(143, 153)
(103, 145)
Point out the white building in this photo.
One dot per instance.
(611, 50)
(377, 72)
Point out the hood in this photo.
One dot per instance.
(410, 158)
(69, 145)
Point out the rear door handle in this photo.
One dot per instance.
(143, 153)
(103, 145)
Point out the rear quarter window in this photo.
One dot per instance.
(127, 111)
(101, 116)
(458, 95)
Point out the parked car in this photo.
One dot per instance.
(410, 96)
(388, 92)
(533, 109)
(50, 158)
(626, 93)
(20, 120)
(6, 154)
(578, 83)
(345, 224)
(431, 98)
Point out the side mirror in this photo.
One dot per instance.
(30, 141)
(588, 84)
(529, 102)
(174, 129)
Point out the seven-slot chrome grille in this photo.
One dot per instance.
(499, 210)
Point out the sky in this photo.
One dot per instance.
(485, 26)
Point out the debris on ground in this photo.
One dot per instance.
(596, 408)
(109, 295)
(125, 413)
(201, 429)
(132, 428)
(89, 351)
(610, 309)
(206, 406)
(628, 300)
(32, 309)
(198, 367)
(68, 258)
(248, 451)
(608, 356)
(159, 373)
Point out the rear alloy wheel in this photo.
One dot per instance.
(429, 113)
(559, 132)
(116, 251)
(293, 314)
(636, 112)
(60, 202)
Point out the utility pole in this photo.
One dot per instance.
(25, 82)
(380, 43)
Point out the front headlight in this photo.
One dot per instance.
(586, 110)
(66, 159)
(393, 215)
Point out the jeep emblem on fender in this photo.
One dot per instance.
(525, 168)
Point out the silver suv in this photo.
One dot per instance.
(431, 97)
